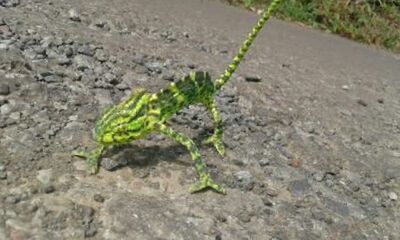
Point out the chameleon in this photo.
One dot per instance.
(144, 113)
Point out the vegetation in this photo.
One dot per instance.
(369, 21)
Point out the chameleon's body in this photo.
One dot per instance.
(146, 112)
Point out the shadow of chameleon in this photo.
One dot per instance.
(148, 153)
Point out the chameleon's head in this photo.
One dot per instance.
(124, 122)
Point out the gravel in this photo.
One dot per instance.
(298, 151)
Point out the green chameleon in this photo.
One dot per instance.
(144, 112)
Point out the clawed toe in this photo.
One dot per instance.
(81, 154)
(92, 160)
(204, 183)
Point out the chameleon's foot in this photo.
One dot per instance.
(217, 142)
(206, 182)
(92, 160)
(92, 164)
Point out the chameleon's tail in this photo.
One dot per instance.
(242, 51)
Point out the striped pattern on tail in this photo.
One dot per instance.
(242, 51)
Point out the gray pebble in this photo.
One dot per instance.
(110, 165)
(113, 59)
(33, 208)
(144, 173)
(50, 132)
(319, 215)
(4, 45)
(52, 79)
(221, 217)
(5, 109)
(329, 182)
(49, 189)
(393, 196)
(122, 86)
(43, 73)
(58, 41)
(369, 182)
(309, 127)
(299, 187)
(264, 162)
(99, 70)
(74, 15)
(39, 50)
(319, 176)
(139, 58)
(47, 42)
(86, 214)
(15, 116)
(168, 36)
(69, 52)
(252, 78)
(362, 102)
(111, 78)
(244, 179)
(13, 199)
(29, 54)
(354, 187)
(271, 192)
(101, 55)
(63, 60)
(168, 77)
(51, 54)
(244, 216)
(385, 202)
(86, 50)
(9, 3)
(45, 176)
(83, 62)
(98, 198)
(100, 23)
(338, 207)
(154, 67)
(267, 202)
(67, 42)
(191, 65)
(4, 89)
(90, 230)
(141, 69)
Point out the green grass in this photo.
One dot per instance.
(375, 22)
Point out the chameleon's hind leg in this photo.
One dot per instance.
(92, 158)
(205, 180)
(216, 138)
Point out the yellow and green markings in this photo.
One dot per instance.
(144, 112)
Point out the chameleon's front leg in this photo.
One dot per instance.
(216, 138)
(92, 158)
(205, 179)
